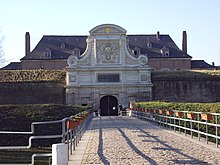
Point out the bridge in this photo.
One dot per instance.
(131, 140)
(143, 136)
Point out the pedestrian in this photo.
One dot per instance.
(120, 107)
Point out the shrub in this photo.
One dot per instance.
(197, 107)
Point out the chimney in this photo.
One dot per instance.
(158, 35)
(184, 42)
(213, 63)
(27, 43)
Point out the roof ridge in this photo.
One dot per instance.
(65, 35)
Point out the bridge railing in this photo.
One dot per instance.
(69, 134)
(196, 124)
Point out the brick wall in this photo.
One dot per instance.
(44, 64)
(169, 64)
(155, 63)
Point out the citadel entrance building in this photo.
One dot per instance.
(107, 73)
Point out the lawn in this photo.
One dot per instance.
(19, 118)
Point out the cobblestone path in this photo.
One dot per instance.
(131, 141)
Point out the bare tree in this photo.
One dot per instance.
(2, 53)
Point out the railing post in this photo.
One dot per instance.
(71, 142)
(76, 134)
(185, 123)
(191, 127)
(174, 122)
(179, 123)
(166, 120)
(206, 131)
(74, 139)
(163, 119)
(63, 130)
(170, 121)
(198, 127)
(216, 129)
(68, 142)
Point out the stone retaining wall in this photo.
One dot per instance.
(166, 89)
(32, 93)
(186, 90)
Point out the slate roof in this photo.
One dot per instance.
(200, 64)
(54, 43)
(13, 66)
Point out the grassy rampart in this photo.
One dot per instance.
(32, 75)
(192, 74)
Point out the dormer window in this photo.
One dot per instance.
(136, 51)
(47, 53)
(165, 52)
(76, 52)
(149, 44)
(62, 46)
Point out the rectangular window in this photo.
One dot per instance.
(144, 77)
(108, 78)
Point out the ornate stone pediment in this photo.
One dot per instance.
(107, 29)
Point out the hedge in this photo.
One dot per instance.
(197, 107)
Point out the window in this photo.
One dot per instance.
(144, 78)
(136, 51)
(108, 78)
(62, 46)
(76, 52)
(47, 53)
(165, 52)
(149, 44)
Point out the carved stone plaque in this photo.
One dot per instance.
(107, 51)
(108, 78)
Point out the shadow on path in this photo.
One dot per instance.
(188, 160)
(135, 149)
(100, 147)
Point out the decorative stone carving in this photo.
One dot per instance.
(85, 62)
(72, 78)
(142, 60)
(108, 51)
(130, 61)
(72, 61)
(108, 30)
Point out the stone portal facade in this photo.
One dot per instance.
(107, 68)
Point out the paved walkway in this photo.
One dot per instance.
(130, 141)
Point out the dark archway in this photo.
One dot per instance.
(108, 106)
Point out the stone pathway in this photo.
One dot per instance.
(131, 141)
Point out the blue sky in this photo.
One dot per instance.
(200, 18)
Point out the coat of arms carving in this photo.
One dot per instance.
(107, 51)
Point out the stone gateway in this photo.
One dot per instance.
(107, 73)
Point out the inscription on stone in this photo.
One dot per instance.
(108, 78)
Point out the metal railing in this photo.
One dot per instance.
(186, 122)
(73, 136)
(67, 136)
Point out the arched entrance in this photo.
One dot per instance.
(108, 106)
